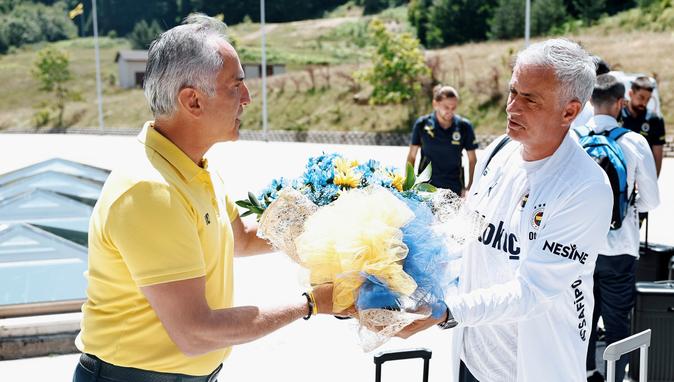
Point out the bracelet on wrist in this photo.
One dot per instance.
(449, 322)
(311, 305)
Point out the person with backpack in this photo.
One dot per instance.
(442, 136)
(628, 162)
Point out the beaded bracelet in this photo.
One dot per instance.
(311, 305)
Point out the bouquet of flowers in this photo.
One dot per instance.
(385, 240)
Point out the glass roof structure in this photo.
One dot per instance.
(44, 220)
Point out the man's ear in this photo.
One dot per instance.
(190, 101)
(571, 111)
(618, 105)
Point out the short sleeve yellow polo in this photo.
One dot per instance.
(158, 220)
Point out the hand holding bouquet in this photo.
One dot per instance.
(384, 240)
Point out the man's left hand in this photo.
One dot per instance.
(418, 326)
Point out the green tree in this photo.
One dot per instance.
(457, 21)
(589, 10)
(27, 23)
(398, 66)
(51, 69)
(508, 20)
(547, 15)
(143, 34)
(417, 14)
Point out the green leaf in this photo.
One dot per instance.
(243, 203)
(249, 212)
(425, 187)
(257, 210)
(253, 199)
(425, 175)
(409, 177)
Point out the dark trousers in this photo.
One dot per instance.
(92, 369)
(465, 375)
(614, 294)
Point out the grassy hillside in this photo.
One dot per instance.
(318, 92)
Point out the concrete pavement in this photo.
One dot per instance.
(321, 349)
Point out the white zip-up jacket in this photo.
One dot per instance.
(640, 171)
(525, 288)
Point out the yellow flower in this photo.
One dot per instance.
(397, 181)
(347, 178)
(354, 163)
(342, 165)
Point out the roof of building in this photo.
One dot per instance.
(38, 266)
(53, 181)
(131, 55)
(59, 165)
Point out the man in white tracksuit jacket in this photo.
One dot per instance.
(524, 307)
(615, 271)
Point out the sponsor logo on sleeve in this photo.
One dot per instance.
(580, 308)
(567, 251)
(429, 130)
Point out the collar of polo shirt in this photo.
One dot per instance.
(169, 151)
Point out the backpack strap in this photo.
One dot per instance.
(582, 131)
(498, 148)
(617, 133)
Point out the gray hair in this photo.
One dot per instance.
(186, 55)
(573, 67)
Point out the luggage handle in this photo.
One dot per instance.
(612, 353)
(646, 234)
(395, 355)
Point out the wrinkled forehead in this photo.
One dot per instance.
(535, 81)
(527, 72)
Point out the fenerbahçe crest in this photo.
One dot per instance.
(537, 216)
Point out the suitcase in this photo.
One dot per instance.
(654, 260)
(613, 352)
(395, 355)
(654, 309)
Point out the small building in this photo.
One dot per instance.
(254, 70)
(131, 64)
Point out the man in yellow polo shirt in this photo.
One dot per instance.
(163, 233)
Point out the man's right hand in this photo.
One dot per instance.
(323, 298)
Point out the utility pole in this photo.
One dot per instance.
(99, 90)
(527, 22)
(265, 128)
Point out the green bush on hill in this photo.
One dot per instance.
(398, 66)
(24, 23)
(143, 34)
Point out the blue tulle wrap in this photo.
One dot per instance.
(426, 262)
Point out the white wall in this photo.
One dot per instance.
(127, 72)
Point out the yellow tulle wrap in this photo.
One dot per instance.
(359, 232)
